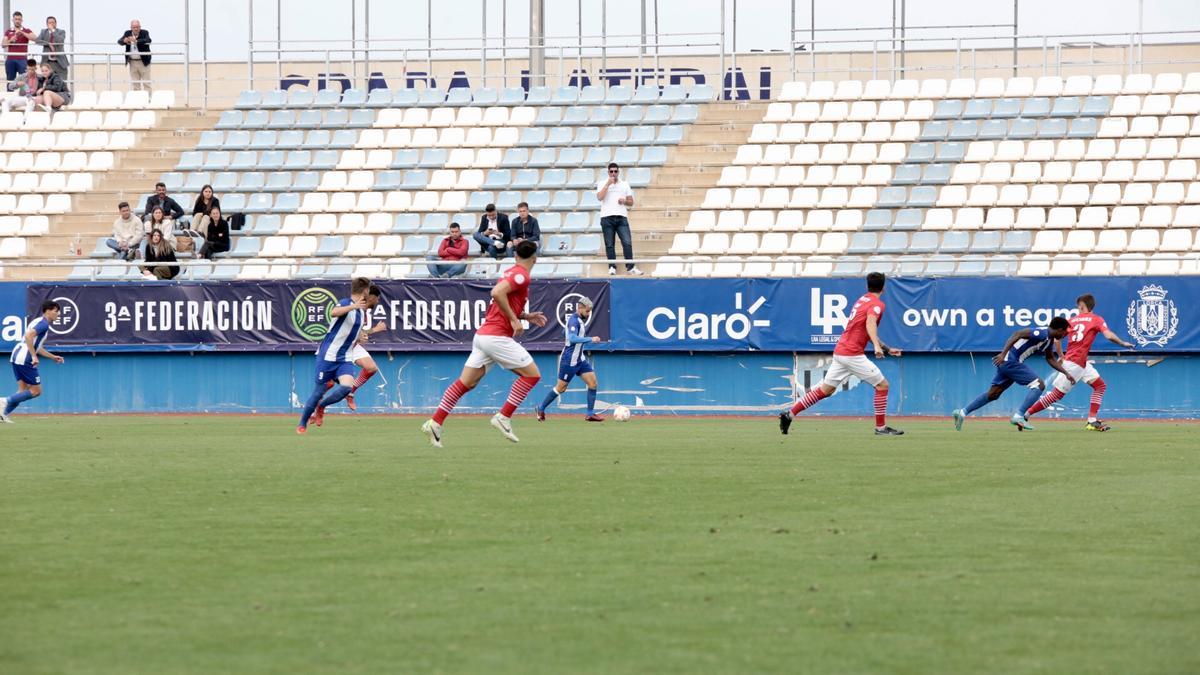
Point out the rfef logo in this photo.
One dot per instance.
(311, 313)
(1152, 319)
(566, 307)
(67, 319)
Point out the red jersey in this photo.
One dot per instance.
(854, 339)
(495, 323)
(18, 44)
(1083, 332)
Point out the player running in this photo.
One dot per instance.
(495, 342)
(848, 359)
(359, 355)
(333, 356)
(24, 360)
(1082, 333)
(1010, 368)
(574, 361)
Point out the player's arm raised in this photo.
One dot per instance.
(1057, 364)
(1012, 340)
(1116, 338)
(873, 333)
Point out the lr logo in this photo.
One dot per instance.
(828, 311)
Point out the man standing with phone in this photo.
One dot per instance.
(616, 197)
(16, 45)
(137, 55)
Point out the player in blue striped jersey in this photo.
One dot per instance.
(24, 360)
(574, 361)
(1010, 367)
(333, 356)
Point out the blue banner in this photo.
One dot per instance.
(12, 311)
(928, 315)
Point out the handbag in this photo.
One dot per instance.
(185, 244)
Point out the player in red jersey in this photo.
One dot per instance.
(495, 342)
(848, 359)
(1084, 328)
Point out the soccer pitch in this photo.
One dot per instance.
(672, 545)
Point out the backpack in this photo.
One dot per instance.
(237, 221)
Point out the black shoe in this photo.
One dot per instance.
(888, 431)
(785, 422)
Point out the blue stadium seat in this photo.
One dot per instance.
(224, 181)
(459, 96)
(507, 200)
(619, 95)
(646, 94)
(317, 139)
(344, 139)
(548, 116)
(300, 98)
(326, 160)
(615, 136)
(603, 115)
(435, 223)
(626, 157)
(524, 179)
(631, 114)
(305, 181)
(405, 159)
(298, 160)
(1066, 106)
(310, 270)
(271, 160)
(433, 158)
(237, 140)
(406, 223)
(575, 116)
(863, 243)
(196, 181)
(1023, 128)
(923, 242)
(417, 244)
(252, 181)
(1083, 127)
(275, 98)
(567, 158)
(922, 196)
(1003, 265)
(538, 96)
(553, 179)
(512, 96)
(936, 174)
(327, 98)
(893, 243)
(977, 109)
(267, 224)
(672, 134)
(354, 98)
(651, 156)
(111, 272)
(485, 96)
(565, 96)
(260, 202)
(657, 114)
(233, 202)
(702, 93)
(638, 177)
(248, 99)
(1054, 127)
(1016, 241)
(387, 181)
(952, 151)
(540, 157)
(581, 179)
(497, 179)
(955, 241)
(847, 267)
(211, 140)
(985, 241)
(948, 109)
(672, 94)
(1007, 108)
(586, 245)
(173, 180)
(939, 266)
(198, 272)
(878, 219)
(379, 98)
(1036, 107)
(339, 271)
(577, 222)
(963, 130)
(101, 249)
(586, 136)
(532, 137)
(225, 271)
(1096, 106)
(336, 118)
(588, 201)
(415, 179)
(480, 199)
(684, 114)
(281, 119)
(256, 119)
(906, 174)
(230, 119)
(263, 140)
(564, 200)
(601, 156)
(516, 157)
(642, 135)
(279, 181)
(560, 136)
(911, 266)
(538, 200)
(405, 98)
(920, 152)
(217, 160)
(286, 202)
(557, 244)
(361, 118)
(909, 219)
(550, 222)
(291, 139)
(993, 130)
(592, 94)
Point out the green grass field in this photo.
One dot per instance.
(230, 545)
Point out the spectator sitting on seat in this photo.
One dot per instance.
(170, 207)
(204, 204)
(493, 234)
(453, 248)
(525, 227)
(217, 238)
(21, 92)
(52, 92)
(127, 233)
(159, 250)
(16, 42)
(158, 220)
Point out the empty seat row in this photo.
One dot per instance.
(495, 116)
(291, 119)
(814, 175)
(588, 136)
(352, 138)
(430, 158)
(828, 153)
(307, 268)
(13, 247)
(449, 201)
(991, 87)
(1091, 171)
(627, 115)
(861, 197)
(28, 226)
(1069, 106)
(401, 223)
(467, 179)
(1061, 127)
(161, 99)
(65, 141)
(1101, 149)
(485, 96)
(18, 183)
(45, 162)
(28, 204)
(841, 132)
(87, 120)
(867, 111)
(1115, 241)
(1043, 194)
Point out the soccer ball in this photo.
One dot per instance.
(621, 413)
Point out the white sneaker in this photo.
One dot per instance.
(434, 431)
(504, 424)
(3, 406)
(612, 271)
(635, 272)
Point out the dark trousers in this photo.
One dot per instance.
(13, 67)
(613, 227)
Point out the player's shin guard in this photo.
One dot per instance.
(591, 402)
(362, 378)
(520, 389)
(550, 396)
(881, 396)
(310, 406)
(336, 394)
(449, 400)
(1053, 396)
(1098, 389)
(16, 400)
(807, 401)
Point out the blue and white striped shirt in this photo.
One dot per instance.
(342, 334)
(1038, 342)
(21, 355)
(575, 338)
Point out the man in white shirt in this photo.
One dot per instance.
(616, 197)
(127, 234)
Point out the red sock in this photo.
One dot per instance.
(363, 376)
(815, 394)
(1098, 388)
(1044, 402)
(449, 400)
(881, 407)
(519, 391)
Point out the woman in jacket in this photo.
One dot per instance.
(52, 91)
(204, 203)
(159, 251)
(217, 238)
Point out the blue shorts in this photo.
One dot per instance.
(27, 374)
(566, 371)
(333, 370)
(1009, 372)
